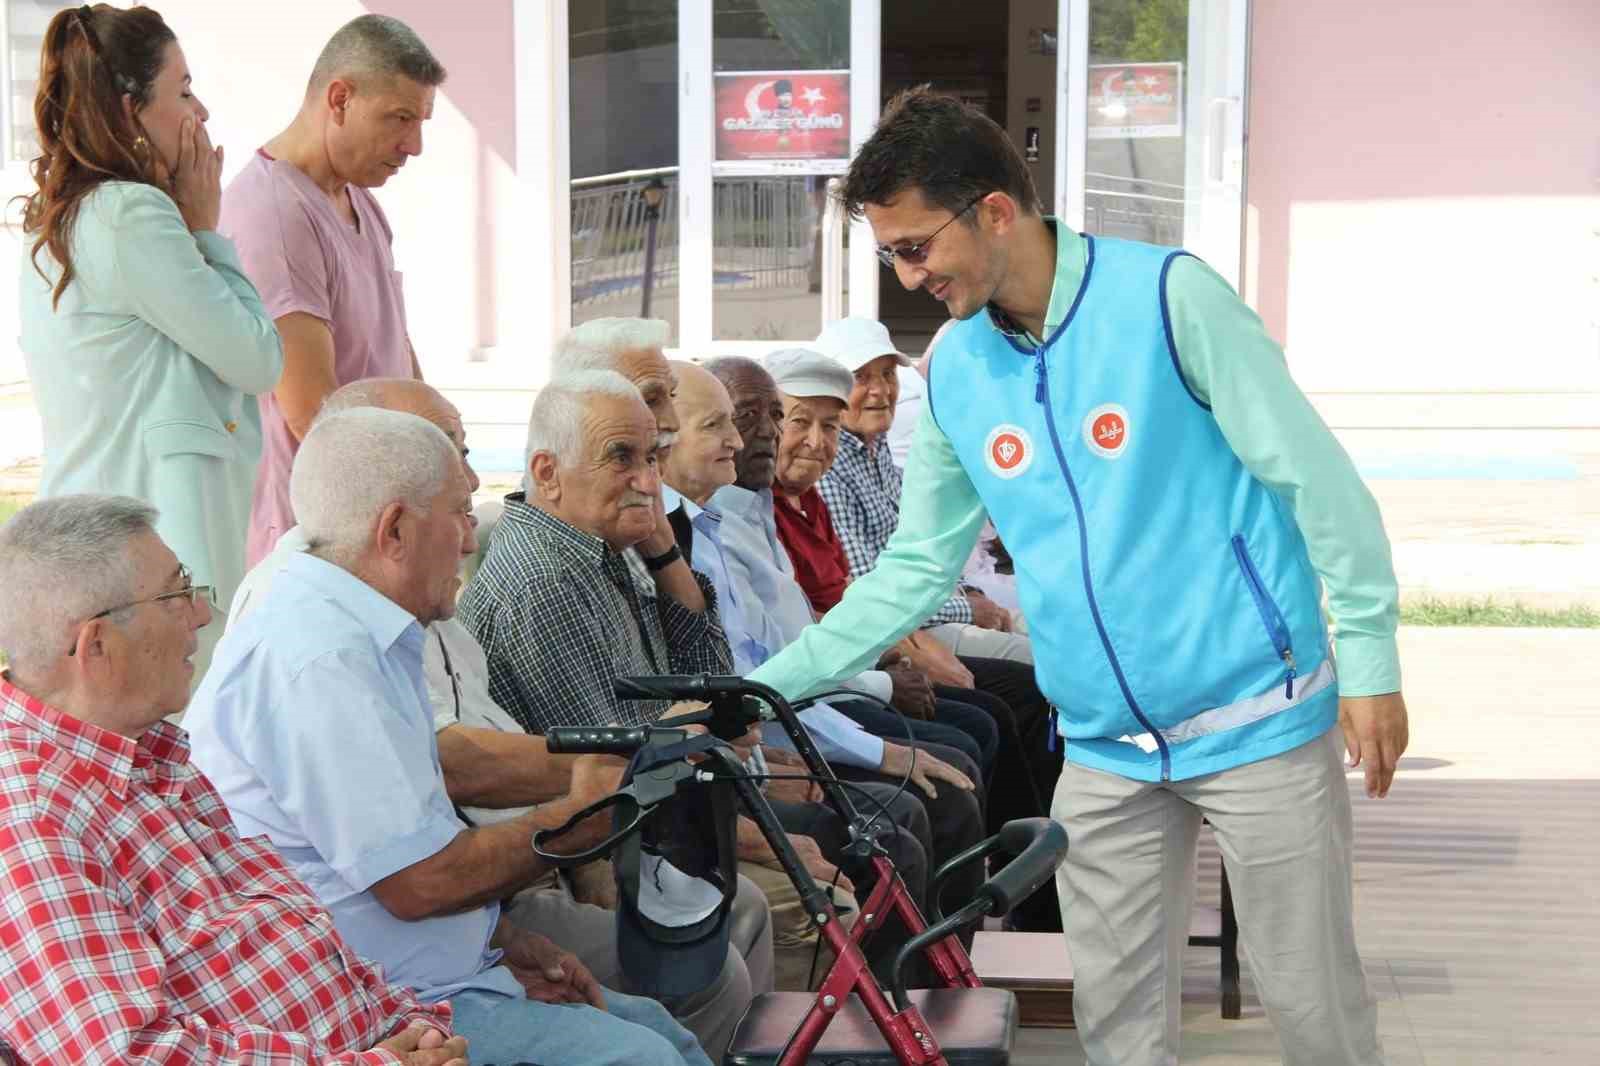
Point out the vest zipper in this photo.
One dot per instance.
(1271, 617)
(1041, 394)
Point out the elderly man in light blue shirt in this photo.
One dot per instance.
(700, 464)
(316, 728)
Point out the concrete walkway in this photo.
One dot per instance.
(1512, 514)
(1477, 879)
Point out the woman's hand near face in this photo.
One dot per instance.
(197, 178)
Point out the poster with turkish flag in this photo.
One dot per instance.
(799, 115)
(1135, 100)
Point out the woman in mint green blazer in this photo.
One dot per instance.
(145, 342)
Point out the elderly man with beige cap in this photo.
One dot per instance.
(863, 488)
(956, 648)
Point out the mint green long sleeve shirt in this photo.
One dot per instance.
(1230, 362)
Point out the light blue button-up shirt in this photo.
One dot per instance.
(314, 724)
(747, 621)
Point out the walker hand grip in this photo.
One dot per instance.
(543, 837)
(1039, 845)
(595, 740)
(677, 687)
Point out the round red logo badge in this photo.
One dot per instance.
(1105, 431)
(1009, 451)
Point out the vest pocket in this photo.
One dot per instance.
(1271, 616)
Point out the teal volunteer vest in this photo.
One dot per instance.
(1175, 617)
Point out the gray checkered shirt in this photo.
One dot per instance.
(559, 616)
(862, 491)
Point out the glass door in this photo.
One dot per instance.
(771, 110)
(1152, 133)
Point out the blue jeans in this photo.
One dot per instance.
(631, 1031)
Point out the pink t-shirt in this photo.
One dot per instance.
(303, 256)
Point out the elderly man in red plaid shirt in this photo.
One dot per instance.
(135, 925)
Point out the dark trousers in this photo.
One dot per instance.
(1026, 767)
(955, 817)
(908, 843)
(957, 723)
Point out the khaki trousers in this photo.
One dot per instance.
(1127, 889)
(794, 935)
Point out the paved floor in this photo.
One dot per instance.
(1477, 880)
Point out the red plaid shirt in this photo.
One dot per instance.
(136, 926)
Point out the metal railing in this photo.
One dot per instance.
(765, 233)
(609, 226)
(1135, 208)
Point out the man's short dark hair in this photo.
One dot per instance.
(950, 150)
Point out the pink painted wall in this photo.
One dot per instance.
(1401, 156)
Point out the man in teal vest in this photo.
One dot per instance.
(1175, 509)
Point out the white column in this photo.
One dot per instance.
(696, 129)
(1072, 121)
(866, 84)
(541, 209)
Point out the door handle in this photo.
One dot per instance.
(1216, 130)
(832, 254)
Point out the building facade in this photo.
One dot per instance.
(1409, 194)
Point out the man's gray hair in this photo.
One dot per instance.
(596, 344)
(556, 424)
(62, 560)
(355, 463)
(376, 46)
(371, 392)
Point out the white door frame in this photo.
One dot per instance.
(543, 208)
(1215, 108)
(697, 148)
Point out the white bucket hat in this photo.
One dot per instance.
(855, 342)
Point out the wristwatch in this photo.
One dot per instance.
(653, 563)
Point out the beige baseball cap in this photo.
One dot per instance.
(805, 372)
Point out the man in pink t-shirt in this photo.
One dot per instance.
(317, 245)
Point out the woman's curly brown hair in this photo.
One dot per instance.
(92, 57)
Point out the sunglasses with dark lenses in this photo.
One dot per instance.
(917, 254)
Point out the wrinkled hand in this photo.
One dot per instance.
(925, 769)
(593, 778)
(936, 661)
(420, 1044)
(793, 790)
(549, 974)
(743, 746)
(912, 695)
(782, 761)
(1376, 729)
(815, 863)
(661, 536)
(197, 178)
(987, 614)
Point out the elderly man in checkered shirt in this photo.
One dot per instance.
(138, 925)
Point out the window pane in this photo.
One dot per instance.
(790, 112)
(624, 121)
(781, 35)
(1138, 51)
(26, 21)
(767, 257)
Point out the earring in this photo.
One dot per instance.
(140, 144)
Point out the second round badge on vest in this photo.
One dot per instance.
(1105, 431)
(1009, 451)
